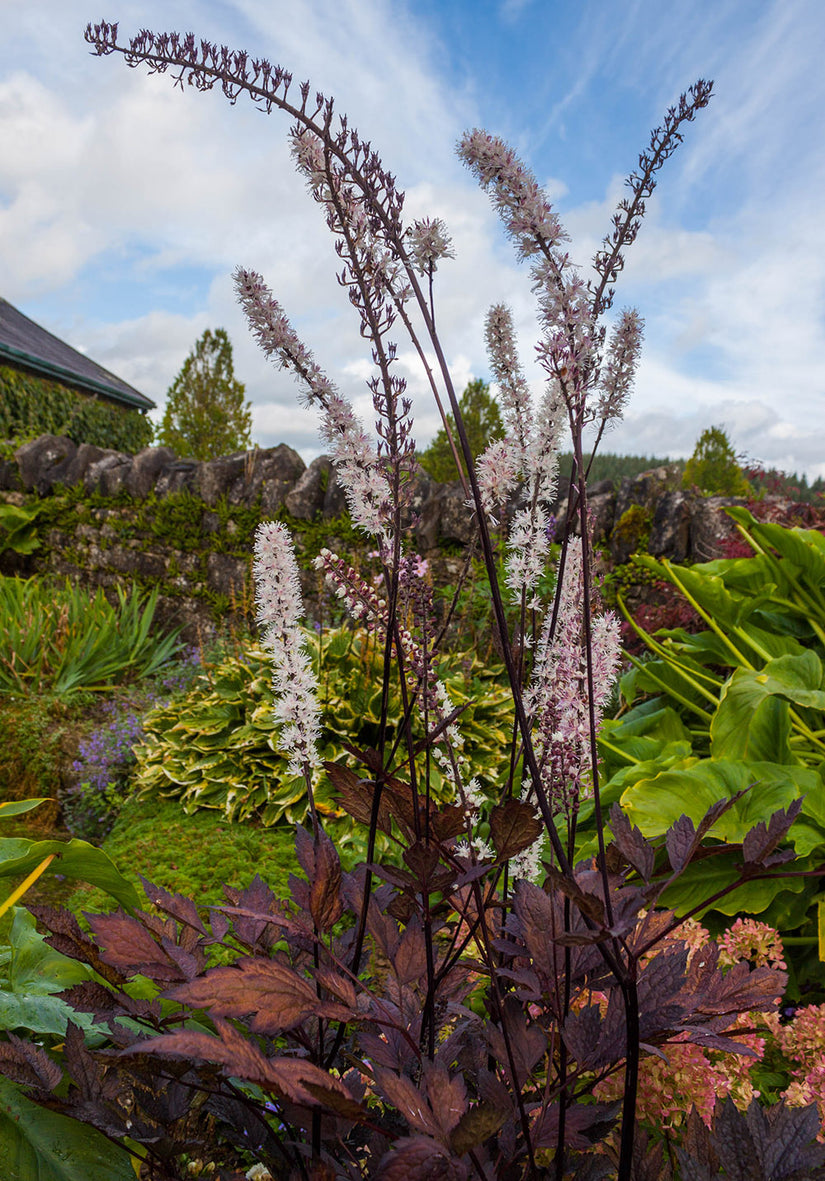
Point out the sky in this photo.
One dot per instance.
(126, 203)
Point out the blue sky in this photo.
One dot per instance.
(125, 204)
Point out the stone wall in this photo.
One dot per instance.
(118, 530)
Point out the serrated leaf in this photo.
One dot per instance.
(476, 1126)
(631, 844)
(514, 827)
(273, 994)
(420, 1158)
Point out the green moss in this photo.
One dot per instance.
(633, 528)
(192, 854)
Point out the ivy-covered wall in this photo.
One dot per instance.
(32, 406)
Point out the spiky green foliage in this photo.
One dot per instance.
(61, 639)
(206, 414)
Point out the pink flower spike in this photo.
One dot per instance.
(280, 607)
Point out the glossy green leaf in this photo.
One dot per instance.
(750, 725)
(704, 879)
(18, 807)
(74, 859)
(750, 722)
(41, 1145)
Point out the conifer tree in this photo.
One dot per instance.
(482, 421)
(713, 467)
(206, 415)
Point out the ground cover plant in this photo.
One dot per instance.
(460, 1012)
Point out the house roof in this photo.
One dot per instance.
(25, 345)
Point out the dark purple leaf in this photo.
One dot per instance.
(514, 826)
(273, 994)
(528, 1043)
(761, 841)
(25, 1063)
(180, 908)
(294, 1078)
(588, 904)
(356, 795)
(423, 862)
(631, 844)
(409, 963)
(583, 1124)
(129, 947)
(67, 938)
(683, 840)
(325, 885)
(447, 1096)
(339, 985)
(402, 1093)
(476, 1126)
(256, 900)
(420, 1158)
(448, 821)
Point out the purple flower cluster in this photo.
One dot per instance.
(102, 770)
(106, 755)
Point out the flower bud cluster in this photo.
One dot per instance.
(428, 242)
(619, 368)
(557, 697)
(527, 455)
(519, 200)
(359, 468)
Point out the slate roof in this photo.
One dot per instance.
(25, 345)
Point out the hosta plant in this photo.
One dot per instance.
(217, 747)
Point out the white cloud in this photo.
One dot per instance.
(113, 182)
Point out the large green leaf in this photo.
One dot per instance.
(705, 878)
(34, 968)
(655, 804)
(40, 1145)
(74, 859)
(750, 722)
(18, 807)
(750, 725)
(726, 607)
